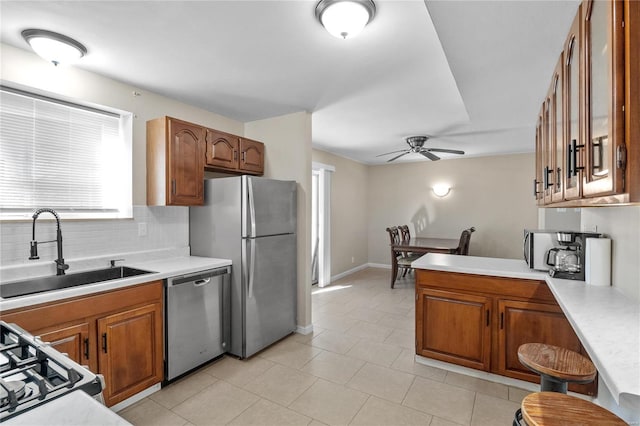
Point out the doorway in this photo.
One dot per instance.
(321, 224)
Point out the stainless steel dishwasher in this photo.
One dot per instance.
(197, 319)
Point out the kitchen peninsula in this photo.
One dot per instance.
(605, 321)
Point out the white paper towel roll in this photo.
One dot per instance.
(598, 261)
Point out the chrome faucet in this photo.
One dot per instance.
(60, 265)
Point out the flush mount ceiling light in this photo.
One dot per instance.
(345, 18)
(54, 47)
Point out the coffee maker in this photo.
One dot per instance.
(567, 259)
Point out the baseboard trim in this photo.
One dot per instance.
(135, 398)
(349, 272)
(379, 265)
(533, 387)
(304, 330)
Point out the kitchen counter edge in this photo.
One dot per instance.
(162, 268)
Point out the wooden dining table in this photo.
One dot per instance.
(421, 245)
(427, 245)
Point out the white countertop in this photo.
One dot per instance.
(606, 321)
(75, 408)
(608, 325)
(511, 268)
(162, 268)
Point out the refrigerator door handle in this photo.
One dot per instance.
(252, 268)
(252, 209)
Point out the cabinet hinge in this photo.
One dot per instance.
(621, 157)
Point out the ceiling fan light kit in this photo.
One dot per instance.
(416, 146)
(345, 18)
(54, 47)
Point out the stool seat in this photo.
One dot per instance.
(559, 363)
(557, 409)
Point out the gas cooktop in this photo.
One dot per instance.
(33, 372)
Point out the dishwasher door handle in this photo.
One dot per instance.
(200, 283)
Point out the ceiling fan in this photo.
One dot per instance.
(416, 146)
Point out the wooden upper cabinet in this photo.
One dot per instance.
(538, 191)
(574, 143)
(234, 154)
(175, 163)
(597, 134)
(557, 145)
(251, 156)
(603, 36)
(222, 150)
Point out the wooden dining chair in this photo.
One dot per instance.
(405, 234)
(463, 245)
(400, 259)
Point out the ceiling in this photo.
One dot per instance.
(469, 73)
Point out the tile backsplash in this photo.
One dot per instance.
(164, 228)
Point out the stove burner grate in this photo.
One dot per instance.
(32, 372)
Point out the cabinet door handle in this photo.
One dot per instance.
(104, 342)
(86, 348)
(173, 186)
(547, 181)
(244, 156)
(573, 149)
(487, 318)
(501, 320)
(235, 155)
(535, 188)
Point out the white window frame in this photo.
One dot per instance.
(124, 208)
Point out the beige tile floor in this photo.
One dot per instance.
(356, 368)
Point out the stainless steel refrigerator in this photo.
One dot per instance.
(252, 221)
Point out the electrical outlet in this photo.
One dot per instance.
(353, 259)
(142, 229)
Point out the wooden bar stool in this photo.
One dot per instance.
(552, 408)
(557, 366)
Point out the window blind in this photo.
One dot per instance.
(58, 155)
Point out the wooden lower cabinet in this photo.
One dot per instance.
(118, 334)
(479, 322)
(130, 354)
(443, 314)
(72, 340)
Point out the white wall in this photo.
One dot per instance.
(490, 193)
(349, 230)
(622, 224)
(288, 157)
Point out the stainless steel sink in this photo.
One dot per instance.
(57, 282)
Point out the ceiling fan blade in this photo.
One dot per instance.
(392, 152)
(398, 156)
(450, 151)
(429, 155)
